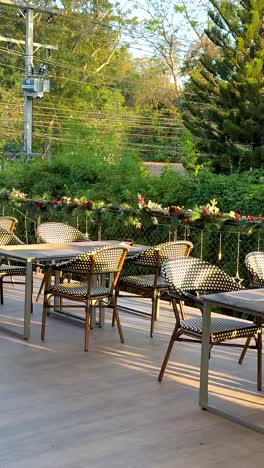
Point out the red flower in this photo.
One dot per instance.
(88, 205)
(141, 200)
(251, 218)
(54, 202)
(174, 210)
(237, 216)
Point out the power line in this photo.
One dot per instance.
(94, 114)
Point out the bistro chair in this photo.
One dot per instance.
(188, 279)
(150, 283)
(8, 222)
(91, 290)
(255, 265)
(8, 238)
(57, 233)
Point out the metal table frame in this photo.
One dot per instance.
(33, 254)
(249, 301)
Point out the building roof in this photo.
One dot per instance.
(156, 168)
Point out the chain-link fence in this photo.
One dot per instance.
(225, 248)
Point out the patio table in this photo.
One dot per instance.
(246, 301)
(33, 254)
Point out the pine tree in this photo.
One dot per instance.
(226, 108)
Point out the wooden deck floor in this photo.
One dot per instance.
(63, 408)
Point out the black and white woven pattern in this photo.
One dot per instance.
(8, 223)
(188, 278)
(144, 281)
(167, 250)
(8, 238)
(78, 289)
(107, 261)
(10, 270)
(58, 233)
(221, 328)
(195, 276)
(255, 264)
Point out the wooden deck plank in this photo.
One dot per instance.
(63, 408)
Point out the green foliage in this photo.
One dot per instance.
(87, 172)
(188, 151)
(242, 193)
(227, 113)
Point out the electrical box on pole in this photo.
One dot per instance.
(35, 87)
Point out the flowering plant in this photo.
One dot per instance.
(68, 203)
(200, 215)
(150, 206)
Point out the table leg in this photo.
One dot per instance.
(28, 298)
(203, 399)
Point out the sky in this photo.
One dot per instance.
(186, 35)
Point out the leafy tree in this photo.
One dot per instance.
(226, 111)
(158, 29)
(150, 92)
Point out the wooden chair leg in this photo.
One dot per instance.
(113, 316)
(244, 350)
(174, 337)
(44, 318)
(92, 316)
(122, 339)
(87, 328)
(11, 277)
(259, 366)
(154, 305)
(113, 319)
(117, 319)
(40, 289)
(157, 308)
(1, 291)
(181, 303)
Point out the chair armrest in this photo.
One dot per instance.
(184, 296)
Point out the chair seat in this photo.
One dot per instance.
(258, 284)
(143, 281)
(221, 328)
(78, 289)
(9, 270)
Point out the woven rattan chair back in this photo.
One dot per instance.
(162, 252)
(196, 276)
(58, 233)
(107, 261)
(149, 283)
(8, 238)
(255, 264)
(8, 222)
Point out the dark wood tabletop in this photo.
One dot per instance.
(246, 300)
(46, 252)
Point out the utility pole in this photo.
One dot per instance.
(29, 67)
(33, 85)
